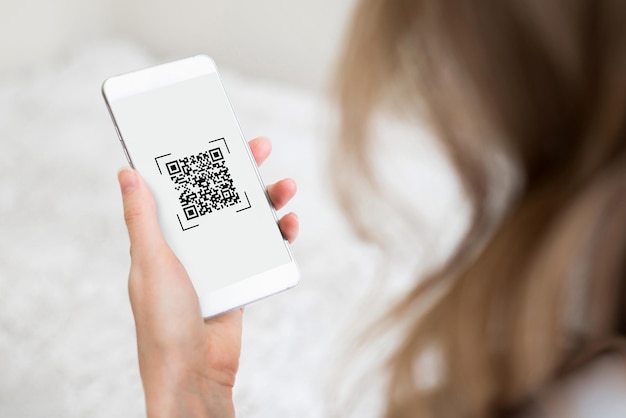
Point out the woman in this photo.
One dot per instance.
(536, 287)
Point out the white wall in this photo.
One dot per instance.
(34, 31)
(292, 40)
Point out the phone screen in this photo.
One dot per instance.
(185, 141)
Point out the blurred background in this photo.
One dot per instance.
(67, 344)
(293, 41)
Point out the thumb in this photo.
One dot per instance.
(139, 212)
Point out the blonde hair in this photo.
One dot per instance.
(544, 83)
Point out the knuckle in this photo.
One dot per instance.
(133, 212)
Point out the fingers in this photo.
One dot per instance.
(289, 226)
(139, 211)
(282, 192)
(261, 148)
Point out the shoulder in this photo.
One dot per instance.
(597, 390)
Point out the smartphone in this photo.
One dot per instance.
(179, 131)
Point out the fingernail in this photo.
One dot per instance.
(128, 180)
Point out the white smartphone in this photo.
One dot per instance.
(178, 129)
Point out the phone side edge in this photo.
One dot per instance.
(252, 160)
(103, 90)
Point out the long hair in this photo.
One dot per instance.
(534, 287)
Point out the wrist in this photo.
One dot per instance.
(174, 394)
(182, 403)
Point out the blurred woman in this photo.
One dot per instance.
(537, 288)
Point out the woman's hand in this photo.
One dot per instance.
(187, 365)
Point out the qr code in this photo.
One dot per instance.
(204, 183)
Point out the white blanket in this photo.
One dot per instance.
(67, 345)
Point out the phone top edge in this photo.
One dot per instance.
(160, 75)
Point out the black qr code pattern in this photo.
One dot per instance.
(204, 183)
